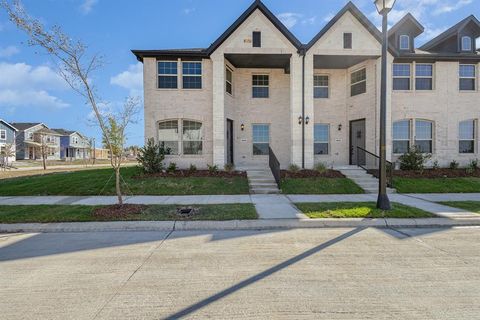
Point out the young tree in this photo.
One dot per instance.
(77, 67)
(6, 152)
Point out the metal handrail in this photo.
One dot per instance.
(274, 165)
(375, 171)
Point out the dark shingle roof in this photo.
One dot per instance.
(21, 126)
(64, 132)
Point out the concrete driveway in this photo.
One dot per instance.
(282, 274)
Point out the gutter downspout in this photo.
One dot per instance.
(302, 53)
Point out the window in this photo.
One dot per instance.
(3, 134)
(466, 43)
(75, 140)
(347, 40)
(260, 86)
(30, 136)
(467, 136)
(401, 76)
(423, 135)
(321, 138)
(167, 75)
(320, 86)
(358, 82)
(228, 81)
(168, 136)
(423, 77)
(261, 139)
(467, 77)
(192, 137)
(257, 39)
(401, 136)
(404, 42)
(192, 75)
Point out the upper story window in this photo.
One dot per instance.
(192, 75)
(3, 134)
(168, 136)
(167, 75)
(320, 86)
(261, 139)
(260, 83)
(423, 76)
(358, 82)
(347, 40)
(401, 76)
(401, 136)
(467, 77)
(75, 140)
(466, 137)
(228, 81)
(424, 135)
(466, 43)
(257, 39)
(30, 136)
(404, 42)
(321, 138)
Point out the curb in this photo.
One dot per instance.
(235, 225)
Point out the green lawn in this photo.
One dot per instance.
(91, 182)
(319, 186)
(472, 206)
(65, 213)
(359, 210)
(437, 185)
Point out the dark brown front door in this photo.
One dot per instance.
(229, 141)
(357, 139)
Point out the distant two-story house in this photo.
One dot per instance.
(73, 145)
(33, 139)
(257, 87)
(7, 140)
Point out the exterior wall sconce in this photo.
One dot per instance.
(300, 120)
(242, 127)
(340, 127)
(307, 120)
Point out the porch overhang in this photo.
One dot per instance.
(339, 61)
(260, 61)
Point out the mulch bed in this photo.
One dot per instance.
(311, 174)
(119, 211)
(188, 173)
(436, 173)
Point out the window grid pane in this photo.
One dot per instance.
(321, 133)
(404, 42)
(192, 82)
(192, 68)
(320, 89)
(358, 82)
(168, 136)
(467, 130)
(167, 67)
(260, 86)
(261, 139)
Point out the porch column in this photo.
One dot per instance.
(309, 111)
(219, 154)
(296, 109)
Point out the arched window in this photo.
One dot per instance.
(424, 135)
(168, 136)
(404, 42)
(192, 137)
(190, 142)
(466, 43)
(401, 136)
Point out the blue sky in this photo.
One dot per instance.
(30, 90)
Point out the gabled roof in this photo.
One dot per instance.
(450, 32)
(8, 124)
(273, 19)
(22, 126)
(64, 132)
(408, 18)
(350, 7)
(48, 131)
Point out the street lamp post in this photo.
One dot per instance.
(383, 8)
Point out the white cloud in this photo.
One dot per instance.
(290, 19)
(328, 17)
(446, 7)
(22, 85)
(430, 33)
(131, 79)
(187, 11)
(8, 51)
(87, 6)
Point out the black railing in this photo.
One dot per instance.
(370, 162)
(274, 165)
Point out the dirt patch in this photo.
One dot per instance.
(188, 173)
(437, 173)
(119, 211)
(312, 174)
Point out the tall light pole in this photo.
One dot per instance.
(383, 8)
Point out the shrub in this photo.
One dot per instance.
(229, 167)
(293, 168)
(212, 168)
(474, 164)
(192, 168)
(151, 157)
(172, 167)
(414, 159)
(453, 165)
(435, 166)
(320, 167)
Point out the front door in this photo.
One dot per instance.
(229, 141)
(357, 139)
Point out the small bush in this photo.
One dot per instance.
(293, 168)
(151, 157)
(172, 167)
(435, 166)
(320, 167)
(414, 159)
(474, 164)
(453, 165)
(192, 168)
(229, 167)
(212, 168)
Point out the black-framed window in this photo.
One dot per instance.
(167, 75)
(424, 135)
(466, 43)
(401, 76)
(261, 139)
(256, 39)
(192, 75)
(423, 76)
(467, 77)
(321, 138)
(347, 40)
(358, 82)
(260, 86)
(404, 42)
(228, 80)
(466, 143)
(320, 86)
(401, 136)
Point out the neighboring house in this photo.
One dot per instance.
(102, 154)
(32, 138)
(73, 145)
(7, 138)
(258, 87)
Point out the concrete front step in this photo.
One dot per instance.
(264, 191)
(363, 179)
(262, 182)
